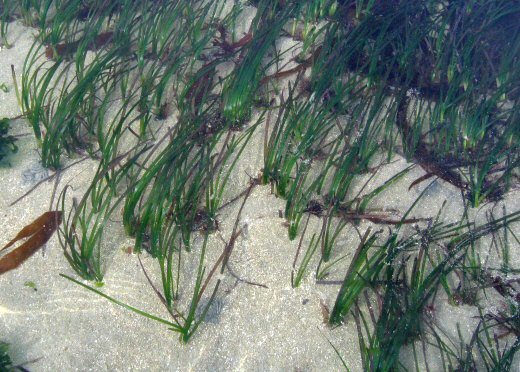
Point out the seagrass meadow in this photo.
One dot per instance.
(260, 185)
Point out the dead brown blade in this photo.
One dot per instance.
(38, 232)
(67, 49)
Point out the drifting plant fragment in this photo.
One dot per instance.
(38, 232)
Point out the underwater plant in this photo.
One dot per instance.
(7, 141)
(168, 96)
(5, 360)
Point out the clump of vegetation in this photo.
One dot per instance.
(6, 364)
(5, 361)
(7, 142)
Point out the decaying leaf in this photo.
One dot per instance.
(38, 232)
(325, 312)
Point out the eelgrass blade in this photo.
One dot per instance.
(173, 326)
